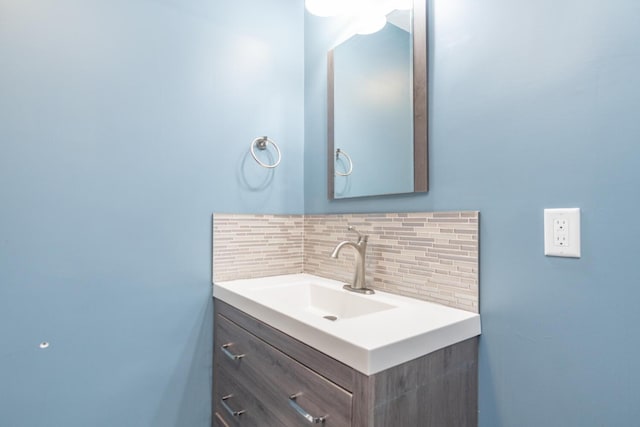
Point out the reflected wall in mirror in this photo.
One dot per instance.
(377, 109)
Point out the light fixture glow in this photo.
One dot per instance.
(355, 7)
(324, 8)
(369, 24)
(403, 4)
(367, 16)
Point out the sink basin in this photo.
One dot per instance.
(370, 333)
(322, 301)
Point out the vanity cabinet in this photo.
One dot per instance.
(263, 377)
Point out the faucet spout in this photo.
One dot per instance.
(360, 246)
(339, 246)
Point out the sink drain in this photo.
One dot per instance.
(332, 318)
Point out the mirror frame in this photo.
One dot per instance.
(420, 108)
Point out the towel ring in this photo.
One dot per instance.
(344, 153)
(262, 142)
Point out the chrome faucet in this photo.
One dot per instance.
(360, 246)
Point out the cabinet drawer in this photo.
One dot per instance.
(219, 421)
(283, 389)
(236, 405)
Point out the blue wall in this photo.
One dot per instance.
(123, 126)
(533, 105)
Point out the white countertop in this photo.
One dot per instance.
(369, 343)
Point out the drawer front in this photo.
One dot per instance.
(285, 390)
(236, 405)
(219, 421)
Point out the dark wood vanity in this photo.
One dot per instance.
(263, 377)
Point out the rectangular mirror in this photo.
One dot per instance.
(377, 109)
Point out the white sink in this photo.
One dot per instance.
(324, 301)
(370, 333)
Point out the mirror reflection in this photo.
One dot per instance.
(372, 112)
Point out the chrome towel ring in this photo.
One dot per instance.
(350, 169)
(262, 142)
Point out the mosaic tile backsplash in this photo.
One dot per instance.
(432, 256)
(248, 246)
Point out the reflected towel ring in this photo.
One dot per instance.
(350, 169)
(262, 142)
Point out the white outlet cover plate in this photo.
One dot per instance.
(572, 248)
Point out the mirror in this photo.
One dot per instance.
(377, 109)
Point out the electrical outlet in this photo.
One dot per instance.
(562, 232)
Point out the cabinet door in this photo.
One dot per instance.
(287, 392)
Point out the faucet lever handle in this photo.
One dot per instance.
(360, 236)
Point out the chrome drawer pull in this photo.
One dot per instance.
(229, 354)
(307, 416)
(226, 406)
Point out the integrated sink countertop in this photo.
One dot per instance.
(370, 333)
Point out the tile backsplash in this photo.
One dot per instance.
(247, 246)
(427, 255)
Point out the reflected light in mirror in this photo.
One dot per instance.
(369, 15)
(403, 4)
(369, 24)
(325, 8)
